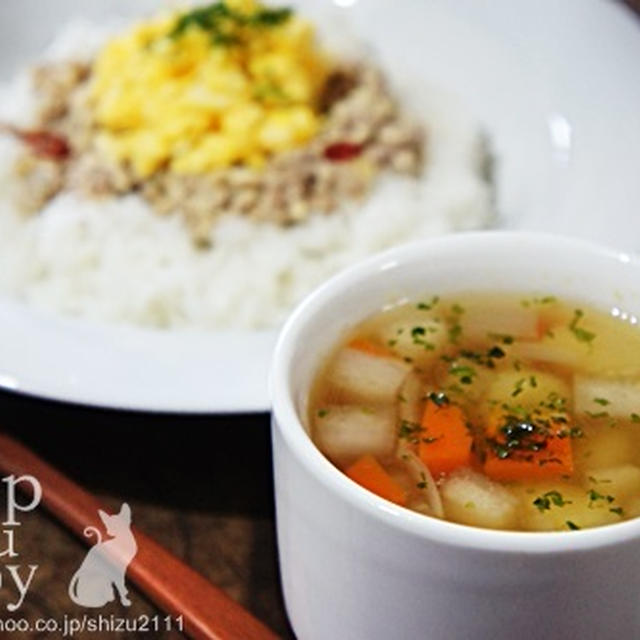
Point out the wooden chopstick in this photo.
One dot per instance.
(208, 613)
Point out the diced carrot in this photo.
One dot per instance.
(445, 443)
(361, 344)
(555, 459)
(370, 474)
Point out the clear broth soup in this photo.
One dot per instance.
(505, 412)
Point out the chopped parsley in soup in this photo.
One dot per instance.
(505, 412)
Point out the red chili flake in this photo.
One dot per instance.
(46, 144)
(42, 143)
(342, 151)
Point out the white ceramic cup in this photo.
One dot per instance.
(356, 567)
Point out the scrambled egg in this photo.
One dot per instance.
(193, 92)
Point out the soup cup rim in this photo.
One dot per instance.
(286, 420)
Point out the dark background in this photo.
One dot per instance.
(201, 486)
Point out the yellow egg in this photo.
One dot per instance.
(304, 123)
(213, 151)
(150, 152)
(226, 79)
(192, 104)
(298, 87)
(175, 122)
(118, 110)
(286, 128)
(242, 118)
(256, 160)
(274, 66)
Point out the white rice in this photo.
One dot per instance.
(118, 261)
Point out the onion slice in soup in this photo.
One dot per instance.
(411, 399)
(419, 471)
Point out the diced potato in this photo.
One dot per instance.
(366, 377)
(623, 398)
(480, 319)
(417, 336)
(470, 498)
(344, 433)
(452, 374)
(604, 446)
(604, 355)
(411, 399)
(576, 508)
(527, 387)
(622, 482)
(609, 355)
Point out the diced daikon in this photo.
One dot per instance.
(367, 377)
(562, 349)
(618, 399)
(471, 498)
(480, 319)
(345, 432)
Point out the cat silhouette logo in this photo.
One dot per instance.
(105, 565)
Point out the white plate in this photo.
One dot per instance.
(554, 83)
